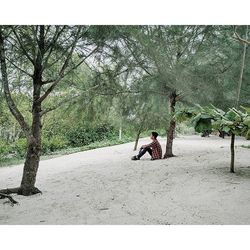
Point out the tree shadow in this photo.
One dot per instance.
(243, 172)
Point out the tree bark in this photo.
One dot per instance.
(32, 159)
(232, 153)
(172, 125)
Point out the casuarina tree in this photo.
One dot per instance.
(46, 56)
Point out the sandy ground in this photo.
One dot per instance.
(103, 186)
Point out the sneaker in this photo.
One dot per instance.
(135, 158)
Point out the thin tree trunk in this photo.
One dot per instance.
(171, 129)
(237, 101)
(120, 133)
(140, 130)
(241, 71)
(232, 153)
(137, 140)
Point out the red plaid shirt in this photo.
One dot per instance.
(156, 149)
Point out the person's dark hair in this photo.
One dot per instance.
(154, 134)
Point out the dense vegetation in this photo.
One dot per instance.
(65, 87)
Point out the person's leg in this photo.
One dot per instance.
(143, 151)
(149, 151)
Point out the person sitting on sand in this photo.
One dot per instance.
(153, 148)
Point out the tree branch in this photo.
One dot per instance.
(64, 101)
(22, 70)
(45, 111)
(135, 57)
(133, 92)
(237, 37)
(11, 104)
(47, 81)
(22, 47)
(51, 45)
(62, 75)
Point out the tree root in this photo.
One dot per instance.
(10, 191)
(168, 156)
(29, 192)
(20, 191)
(12, 201)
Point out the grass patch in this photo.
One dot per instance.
(11, 161)
(245, 146)
(105, 143)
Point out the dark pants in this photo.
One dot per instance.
(143, 151)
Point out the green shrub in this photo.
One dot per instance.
(48, 145)
(105, 131)
(81, 136)
(184, 129)
(45, 145)
(20, 147)
(57, 142)
(53, 144)
(5, 149)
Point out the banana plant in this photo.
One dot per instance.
(234, 122)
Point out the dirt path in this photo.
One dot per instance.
(103, 186)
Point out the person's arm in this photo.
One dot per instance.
(148, 145)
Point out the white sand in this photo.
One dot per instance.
(103, 186)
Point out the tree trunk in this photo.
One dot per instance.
(171, 129)
(31, 167)
(137, 140)
(238, 100)
(34, 140)
(34, 145)
(120, 133)
(232, 153)
(241, 71)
